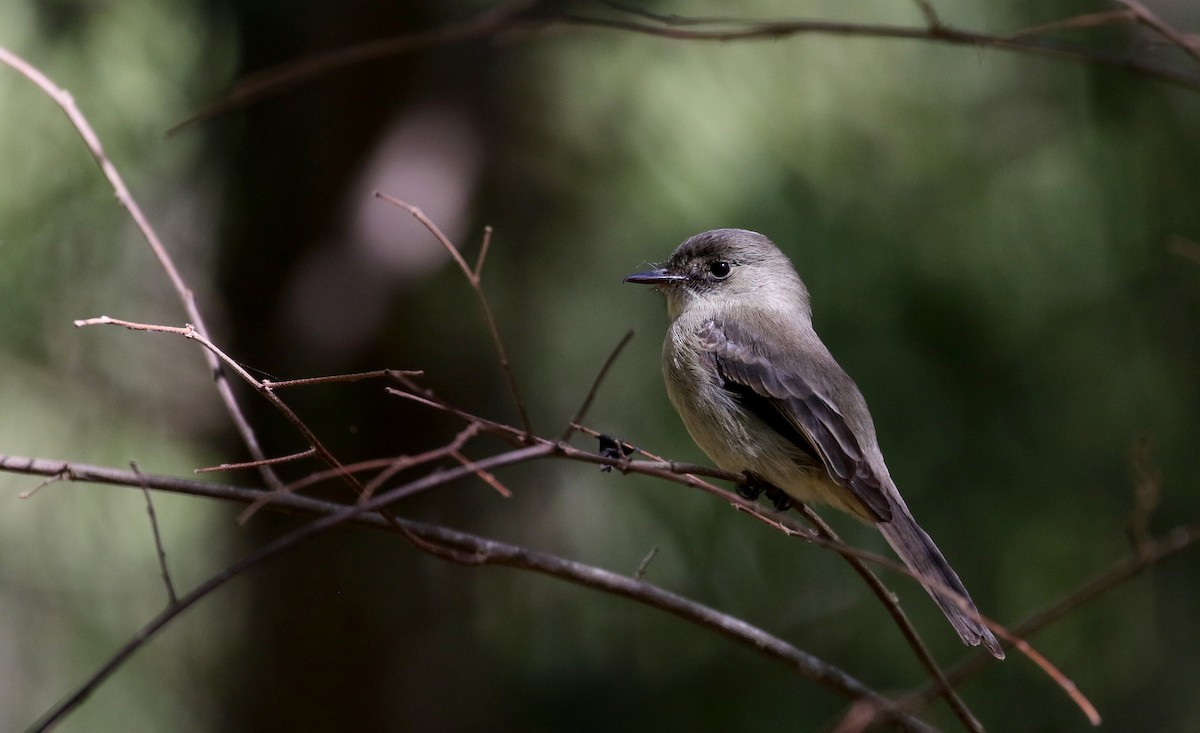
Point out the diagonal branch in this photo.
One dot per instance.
(67, 103)
(591, 395)
(1147, 18)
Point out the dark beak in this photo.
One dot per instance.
(654, 277)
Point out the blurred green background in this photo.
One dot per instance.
(1001, 249)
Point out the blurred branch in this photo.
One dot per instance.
(1184, 247)
(1143, 15)
(1021, 42)
(280, 78)
(483, 551)
(532, 19)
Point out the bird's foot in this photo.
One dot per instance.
(751, 488)
(781, 501)
(754, 487)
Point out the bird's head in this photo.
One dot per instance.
(726, 266)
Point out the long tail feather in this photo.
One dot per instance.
(921, 556)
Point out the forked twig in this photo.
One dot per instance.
(475, 281)
(190, 332)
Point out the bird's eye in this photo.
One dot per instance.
(720, 270)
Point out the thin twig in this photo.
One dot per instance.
(483, 475)
(1147, 494)
(591, 395)
(404, 463)
(343, 378)
(53, 479)
(483, 250)
(931, 17)
(474, 280)
(158, 545)
(644, 565)
(255, 464)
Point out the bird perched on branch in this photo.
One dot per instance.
(760, 394)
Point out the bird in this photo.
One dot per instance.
(760, 394)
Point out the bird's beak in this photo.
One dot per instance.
(654, 277)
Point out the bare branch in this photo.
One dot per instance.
(483, 250)
(343, 378)
(1076, 22)
(483, 475)
(285, 76)
(1146, 17)
(475, 282)
(644, 565)
(516, 20)
(158, 545)
(255, 464)
(486, 551)
(67, 103)
(931, 17)
(772, 30)
(591, 395)
(892, 604)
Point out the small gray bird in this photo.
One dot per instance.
(759, 393)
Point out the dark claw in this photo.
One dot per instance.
(779, 499)
(751, 489)
(611, 447)
(749, 492)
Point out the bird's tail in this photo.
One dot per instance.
(922, 557)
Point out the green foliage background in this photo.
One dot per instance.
(997, 249)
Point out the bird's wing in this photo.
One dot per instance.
(781, 396)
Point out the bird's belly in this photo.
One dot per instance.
(736, 440)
